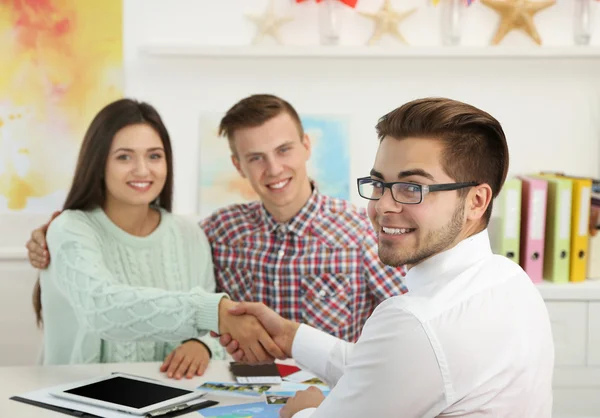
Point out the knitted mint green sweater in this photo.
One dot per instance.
(108, 296)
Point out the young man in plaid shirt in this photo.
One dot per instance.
(310, 257)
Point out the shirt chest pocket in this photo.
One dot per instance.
(326, 302)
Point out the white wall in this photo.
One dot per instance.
(549, 107)
(20, 339)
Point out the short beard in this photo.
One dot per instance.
(438, 241)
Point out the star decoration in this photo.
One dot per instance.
(386, 21)
(517, 14)
(268, 24)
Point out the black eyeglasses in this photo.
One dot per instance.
(402, 192)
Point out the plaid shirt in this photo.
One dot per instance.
(321, 268)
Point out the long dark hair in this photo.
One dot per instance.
(88, 189)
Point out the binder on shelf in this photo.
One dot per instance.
(593, 266)
(582, 193)
(580, 218)
(557, 245)
(505, 229)
(533, 226)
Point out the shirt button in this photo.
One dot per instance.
(322, 293)
(281, 253)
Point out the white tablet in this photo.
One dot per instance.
(127, 393)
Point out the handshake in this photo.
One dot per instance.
(253, 333)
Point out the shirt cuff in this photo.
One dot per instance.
(305, 413)
(311, 349)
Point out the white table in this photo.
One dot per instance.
(20, 380)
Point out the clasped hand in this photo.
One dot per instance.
(253, 341)
(255, 322)
(283, 333)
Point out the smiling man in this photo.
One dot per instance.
(473, 327)
(310, 257)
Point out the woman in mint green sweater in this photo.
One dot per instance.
(129, 281)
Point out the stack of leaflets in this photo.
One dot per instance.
(272, 398)
(249, 410)
(235, 389)
(288, 390)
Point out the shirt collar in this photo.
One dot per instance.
(450, 263)
(301, 221)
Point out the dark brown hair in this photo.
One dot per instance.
(475, 146)
(253, 111)
(88, 189)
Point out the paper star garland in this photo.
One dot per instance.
(517, 14)
(268, 24)
(386, 21)
(351, 3)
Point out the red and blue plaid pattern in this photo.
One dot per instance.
(321, 268)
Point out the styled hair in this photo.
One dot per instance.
(475, 148)
(88, 190)
(253, 111)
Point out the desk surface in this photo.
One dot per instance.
(20, 380)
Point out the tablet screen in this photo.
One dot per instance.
(128, 392)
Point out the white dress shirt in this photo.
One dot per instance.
(471, 338)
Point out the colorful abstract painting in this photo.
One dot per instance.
(61, 61)
(328, 166)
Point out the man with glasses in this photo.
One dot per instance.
(310, 257)
(473, 327)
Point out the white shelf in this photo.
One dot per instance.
(332, 52)
(13, 253)
(586, 290)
